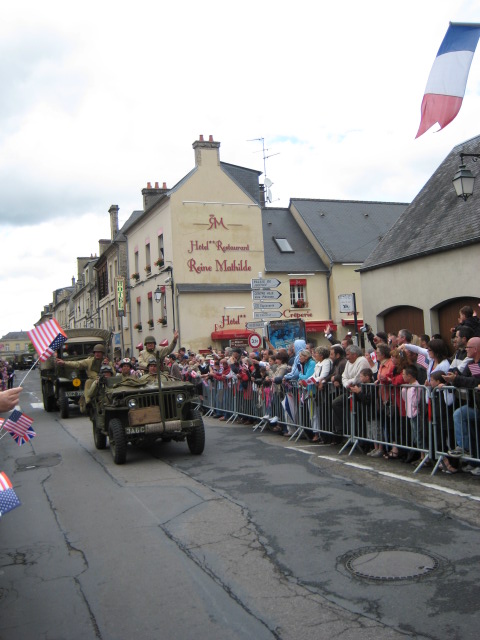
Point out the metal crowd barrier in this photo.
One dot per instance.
(409, 417)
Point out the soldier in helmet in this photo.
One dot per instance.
(152, 350)
(91, 365)
(151, 377)
(106, 371)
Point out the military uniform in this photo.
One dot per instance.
(160, 352)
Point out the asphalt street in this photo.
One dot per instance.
(258, 537)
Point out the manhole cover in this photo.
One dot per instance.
(390, 564)
(34, 462)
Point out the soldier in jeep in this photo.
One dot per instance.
(91, 365)
(152, 350)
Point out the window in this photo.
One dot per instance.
(298, 293)
(160, 246)
(147, 254)
(284, 245)
(136, 261)
(17, 347)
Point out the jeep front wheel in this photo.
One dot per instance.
(63, 403)
(196, 439)
(118, 441)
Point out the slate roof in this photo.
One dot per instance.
(437, 220)
(280, 223)
(16, 335)
(247, 179)
(348, 230)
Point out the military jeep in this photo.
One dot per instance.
(142, 413)
(62, 387)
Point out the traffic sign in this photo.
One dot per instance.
(267, 305)
(265, 283)
(254, 340)
(346, 303)
(255, 325)
(267, 314)
(265, 294)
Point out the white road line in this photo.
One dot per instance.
(395, 476)
(36, 405)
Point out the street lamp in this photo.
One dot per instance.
(464, 180)
(157, 294)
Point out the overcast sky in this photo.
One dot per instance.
(98, 98)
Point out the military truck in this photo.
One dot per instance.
(62, 387)
(24, 361)
(135, 412)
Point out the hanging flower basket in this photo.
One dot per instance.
(135, 276)
(148, 269)
(150, 323)
(159, 263)
(300, 303)
(162, 321)
(138, 326)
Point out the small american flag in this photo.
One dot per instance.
(421, 360)
(19, 425)
(47, 338)
(474, 369)
(8, 497)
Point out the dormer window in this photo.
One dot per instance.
(283, 245)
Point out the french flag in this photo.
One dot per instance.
(448, 77)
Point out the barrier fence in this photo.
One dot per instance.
(407, 418)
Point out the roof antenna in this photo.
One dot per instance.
(267, 182)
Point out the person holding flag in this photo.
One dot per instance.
(9, 399)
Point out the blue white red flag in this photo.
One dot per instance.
(47, 338)
(448, 78)
(8, 497)
(19, 425)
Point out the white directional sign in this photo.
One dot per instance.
(267, 305)
(255, 325)
(265, 283)
(265, 294)
(267, 314)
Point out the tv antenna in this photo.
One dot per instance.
(262, 140)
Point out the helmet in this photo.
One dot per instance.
(150, 339)
(106, 368)
(125, 361)
(152, 360)
(99, 347)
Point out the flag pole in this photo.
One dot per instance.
(31, 369)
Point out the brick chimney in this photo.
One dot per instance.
(206, 152)
(113, 211)
(153, 194)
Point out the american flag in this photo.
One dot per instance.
(47, 338)
(474, 369)
(421, 360)
(19, 425)
(8, 497)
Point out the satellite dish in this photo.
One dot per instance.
(268, 183)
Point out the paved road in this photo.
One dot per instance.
(252, 539)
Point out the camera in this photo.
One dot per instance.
(366, 328)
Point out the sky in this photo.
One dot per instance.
(99, 98)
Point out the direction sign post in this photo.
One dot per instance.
(265, 294)
(267, 314)
(267, 305)
(264, 283)
(255, 325)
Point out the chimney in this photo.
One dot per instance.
(206, 152)
(262, 196)
(73, 281)
(153, 194)
(113, 211)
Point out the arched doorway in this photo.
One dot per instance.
(448, 315)
(405, 317)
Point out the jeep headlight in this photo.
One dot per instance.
(132, 403)
(180, 398)
(73, 375)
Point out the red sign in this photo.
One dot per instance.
(254, 340)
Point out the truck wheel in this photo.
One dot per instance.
(48, 401)
(118, 441)
(196, 439)
(99, 438)
(63, 403)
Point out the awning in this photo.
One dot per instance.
(350, 322)
(319, 326)
(230, 334)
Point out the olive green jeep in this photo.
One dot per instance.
(142, 413)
